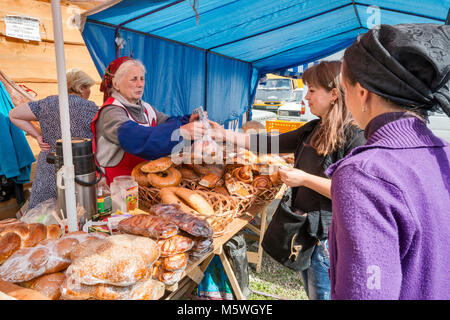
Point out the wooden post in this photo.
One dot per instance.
(231, 276)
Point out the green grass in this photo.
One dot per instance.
(276, 281)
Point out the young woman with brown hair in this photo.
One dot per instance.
(316, 145)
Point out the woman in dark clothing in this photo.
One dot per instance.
(316, 145)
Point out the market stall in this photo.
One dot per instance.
(204, 205)
(181, 228)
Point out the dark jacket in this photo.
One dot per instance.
(293, 142)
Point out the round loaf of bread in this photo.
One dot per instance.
(169, 178)
(158, 165)
(139, 176)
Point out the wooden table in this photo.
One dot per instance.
(193, 274)
(195, 271)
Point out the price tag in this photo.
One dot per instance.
(22, 27)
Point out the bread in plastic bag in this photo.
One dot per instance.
(148, 226)
(48, 284)
(175, 262)
(49, 256)
(185, 221)
(167, 277)
(44, 213)
(146, 289)
(174, 245)
(119, 260)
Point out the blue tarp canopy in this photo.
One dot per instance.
(212, 52)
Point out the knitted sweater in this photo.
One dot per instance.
(390, 230)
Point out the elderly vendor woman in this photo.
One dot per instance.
(127, 130)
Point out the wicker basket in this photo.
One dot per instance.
(223, 205)
(226, 208)
(268, 195)
(148, 196)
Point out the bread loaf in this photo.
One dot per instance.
(243, 174)
(209, 181)
(139, 176)
(167, 277)
(188, 174)
(185, 221)
(16, 235)
(169, 178)
(148, 226)
(168, 196)
(195, 201)
(202, 245)
(158, 165)
(175, 262)
(262, 182)
(147, 289)
(170, 277)
(119, 260)
(49, 284)
(175, 245)
(9, 243)
(49, 256)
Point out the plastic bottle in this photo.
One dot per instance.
(104, 200)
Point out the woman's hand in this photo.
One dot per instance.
(217, 132)
(196, 116)
(192, 130)
(44, 146)
(293, 177)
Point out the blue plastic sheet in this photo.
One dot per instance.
(16, 157)
(214, 55)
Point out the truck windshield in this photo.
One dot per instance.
(276, 84)
(274, 94)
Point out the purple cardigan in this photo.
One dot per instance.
(390, 231)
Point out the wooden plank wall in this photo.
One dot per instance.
(33, 63)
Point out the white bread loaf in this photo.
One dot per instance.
(147, 289)
(49, 256)
(119, 260)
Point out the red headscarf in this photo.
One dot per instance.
(110, 71)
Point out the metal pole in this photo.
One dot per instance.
(68, 168)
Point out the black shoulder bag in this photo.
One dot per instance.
(289, 238)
